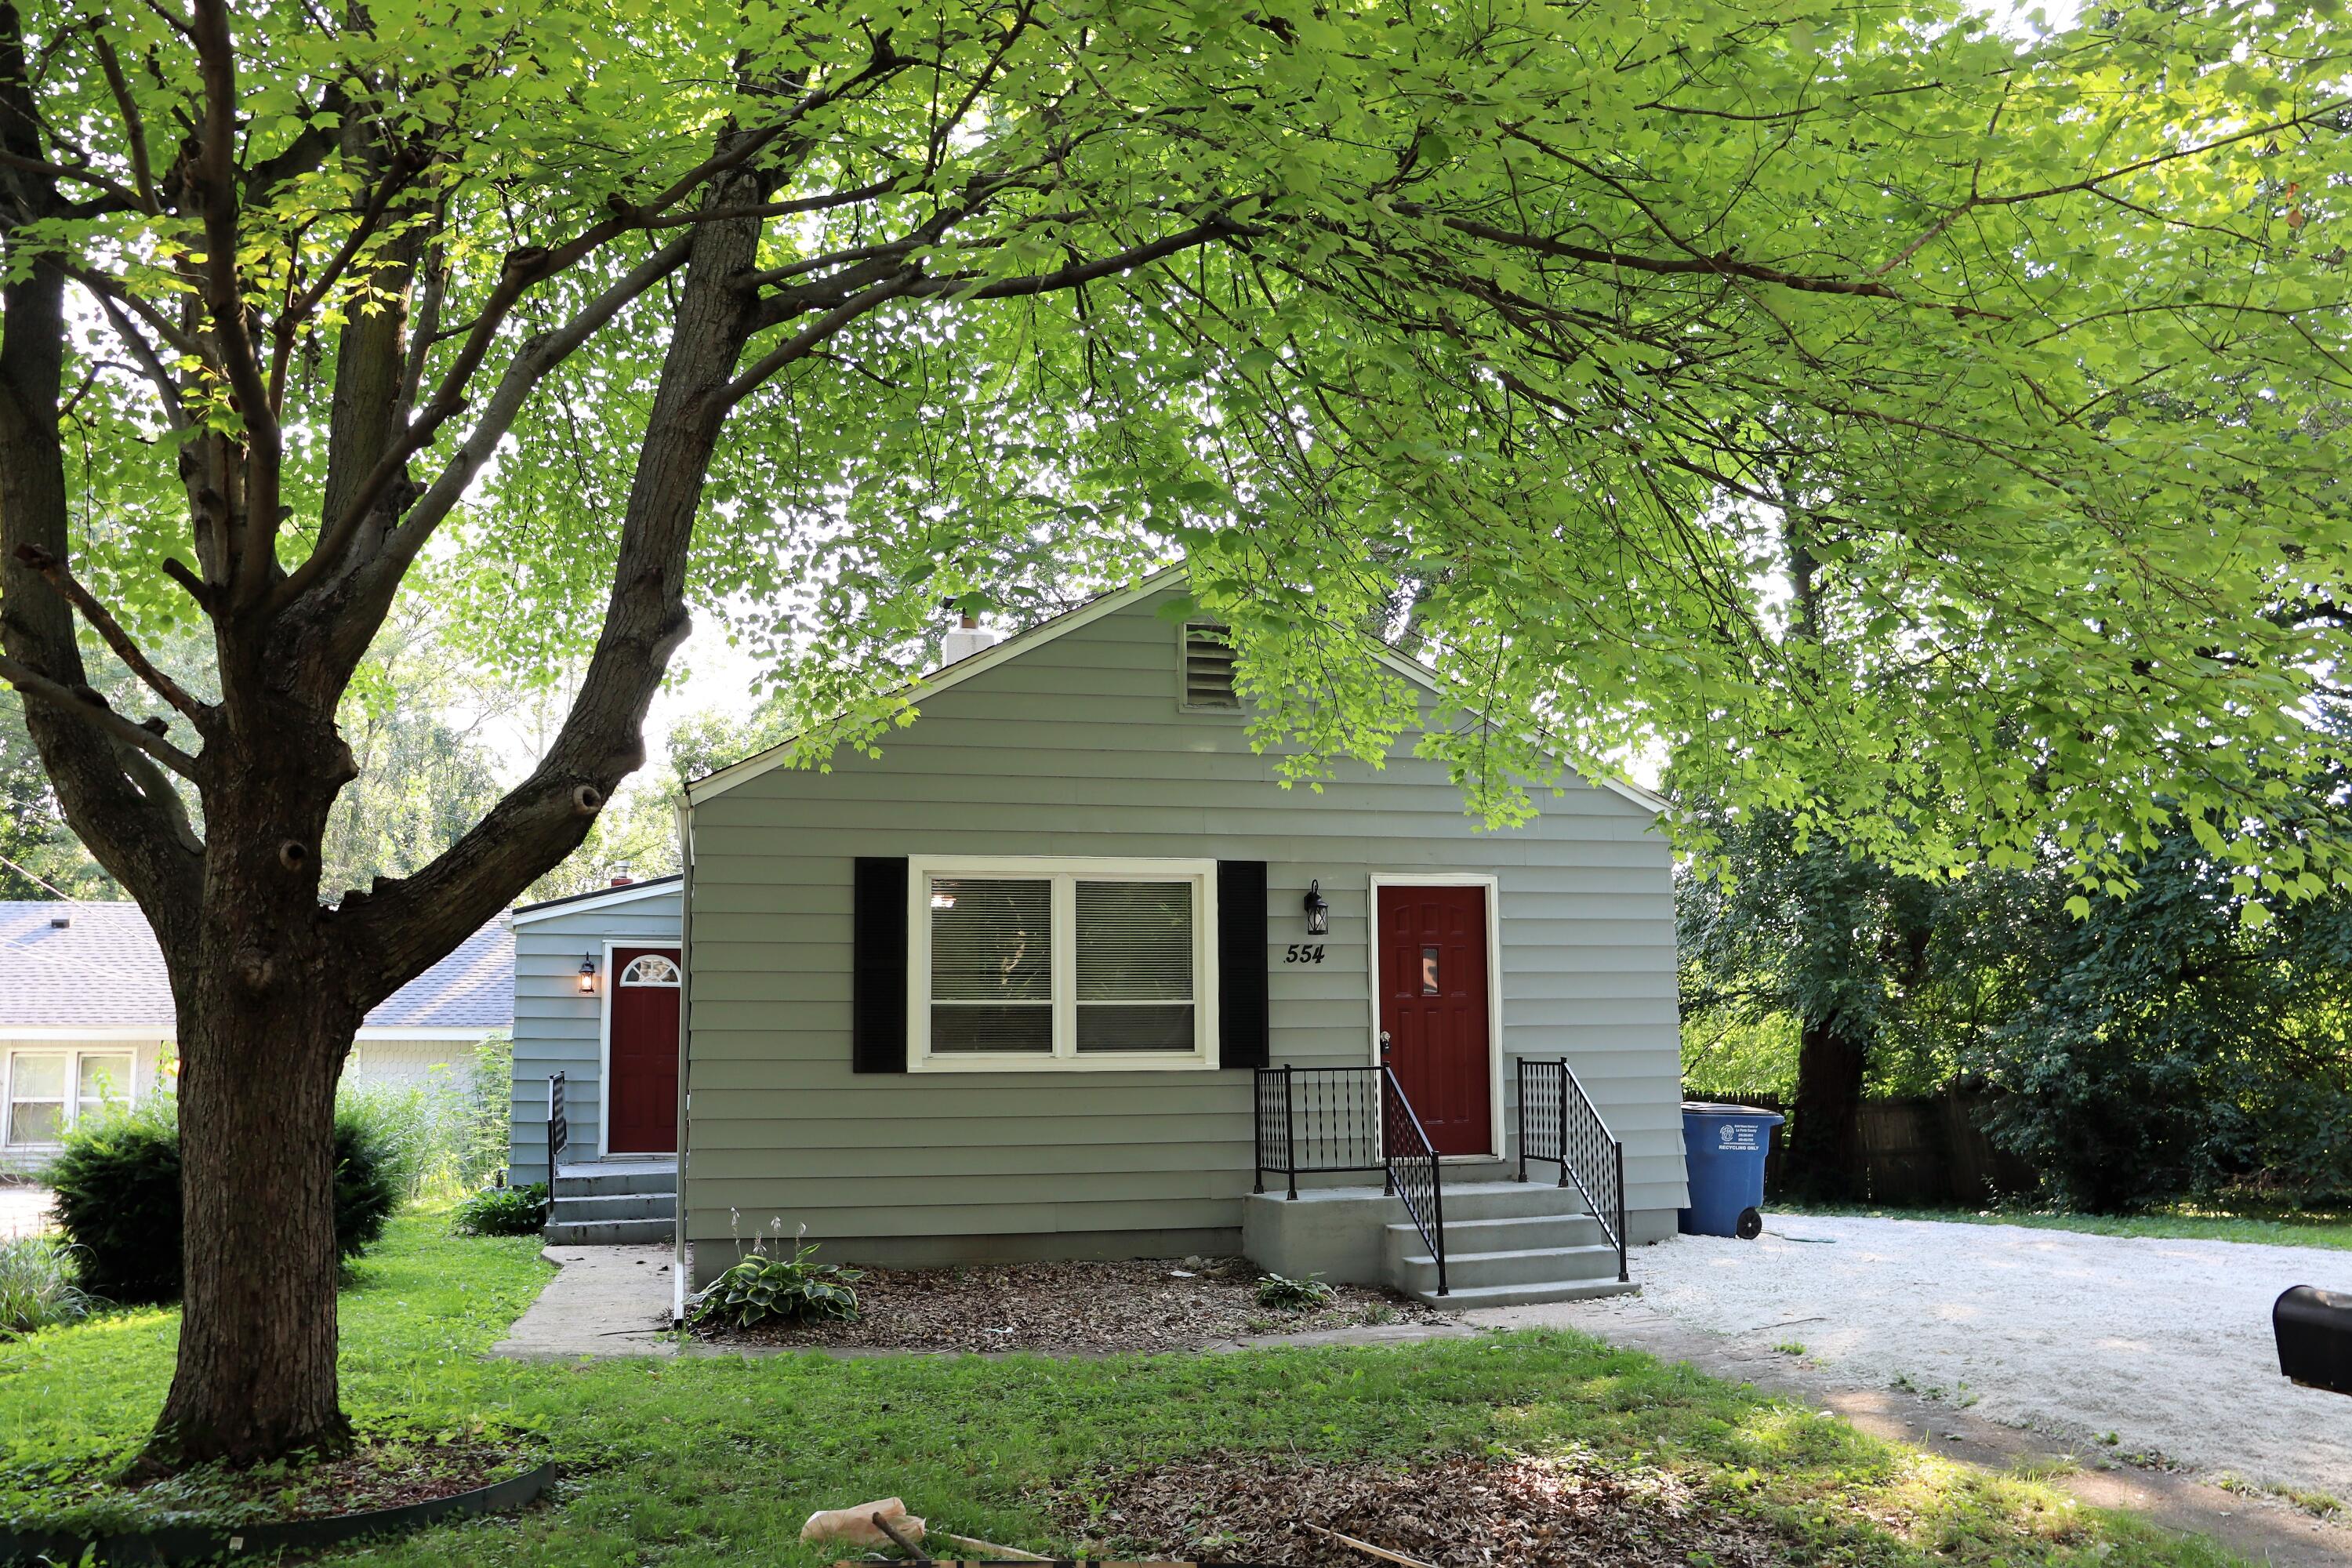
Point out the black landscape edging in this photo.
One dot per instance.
(180, 1544)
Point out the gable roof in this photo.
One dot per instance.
(598, 897)
(721, 780)
(103, 970)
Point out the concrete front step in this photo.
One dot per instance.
(1566, 1268)
(608, 1231)
(1532, 1234)
(1465, 1297)
(607, 1178)
(1506, 1200)
(570, 1210)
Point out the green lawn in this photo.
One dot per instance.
(2278, 1227)
(717, 1461)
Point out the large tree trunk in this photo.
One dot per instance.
(1824, 1163)
(266, 1020)
(258, 1332)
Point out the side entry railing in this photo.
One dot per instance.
(1318, 1121)
(1558, 1123)
(559, 1124)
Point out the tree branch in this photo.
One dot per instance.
(87, 705)
(134, 128)
(60, 577)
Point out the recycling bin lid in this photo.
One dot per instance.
(1716, 1108)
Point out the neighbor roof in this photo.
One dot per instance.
(724, 779)
(102, 970)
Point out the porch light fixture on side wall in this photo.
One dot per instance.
(587, 975)
(1318, 913)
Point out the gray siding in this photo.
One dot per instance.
(557, 1029)
(1077, 747)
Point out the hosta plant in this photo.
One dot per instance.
(1295, 1295)
(761, 1289)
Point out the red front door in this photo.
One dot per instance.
(1433, 995)
(641, 1087)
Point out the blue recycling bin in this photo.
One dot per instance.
(1723, 1148)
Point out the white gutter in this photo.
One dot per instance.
(678, 1265)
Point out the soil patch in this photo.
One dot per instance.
(1457, 1513)
(1089, 1307)
(379, 1474)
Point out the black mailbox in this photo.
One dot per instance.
(2315, 1337)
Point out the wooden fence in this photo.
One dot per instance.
(1929, 1151)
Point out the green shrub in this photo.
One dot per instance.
(1295, 1295)
(118, 1200)
(760, 1288)
(118, 1194)
(504, 1211)
(38, 1286)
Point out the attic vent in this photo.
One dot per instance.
(1209, 669)
(61, 923)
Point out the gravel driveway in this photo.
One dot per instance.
(2165, 1344)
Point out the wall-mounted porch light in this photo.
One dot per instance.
(587, 975)
(1318, 913)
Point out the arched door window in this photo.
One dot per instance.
(650, 969)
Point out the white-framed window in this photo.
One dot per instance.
(1045, 964)
(51, 1089)
(650, 969)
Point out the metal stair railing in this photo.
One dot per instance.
(1558, 1123)
(1315, 1120)
(559, 1124)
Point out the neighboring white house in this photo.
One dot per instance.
(86, 1016)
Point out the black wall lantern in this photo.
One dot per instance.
(1318, 913)
(587, 975)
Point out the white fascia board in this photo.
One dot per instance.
(605, 901)
(956, 674)
(1420, 675)
(426, 1032)
(777, 755)
(156, 1032)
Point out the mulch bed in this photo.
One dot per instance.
(1456, 1512)
(1072, 1307)
(379, 1474)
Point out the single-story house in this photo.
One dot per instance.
(86, 1016)
(1065, 971)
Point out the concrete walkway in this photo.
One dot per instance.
(615, 1301)
(609, 1301)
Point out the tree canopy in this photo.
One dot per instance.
(1563, 340)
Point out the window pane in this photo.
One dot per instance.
(967, 1027)
(105, 1080)
(1153, 1026)
(35, 1121)
(39, 1078)
(1135, 942)
(1429, 972)
(991, 940)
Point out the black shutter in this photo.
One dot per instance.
(879, 1000)
(1241, 964)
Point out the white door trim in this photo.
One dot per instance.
(1493, 885)
(611, 978)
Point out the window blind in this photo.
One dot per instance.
(992, 964)
(1135, 952)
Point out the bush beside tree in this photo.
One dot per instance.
(117, 1181)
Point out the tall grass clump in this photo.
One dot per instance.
(40, 1285)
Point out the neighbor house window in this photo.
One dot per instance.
(49, 1091)
(1048, 963)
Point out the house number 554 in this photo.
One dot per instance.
(1303, 953)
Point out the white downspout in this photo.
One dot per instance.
(677, 1267)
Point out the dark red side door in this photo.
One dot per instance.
(1432, 994)
(641, 1087)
